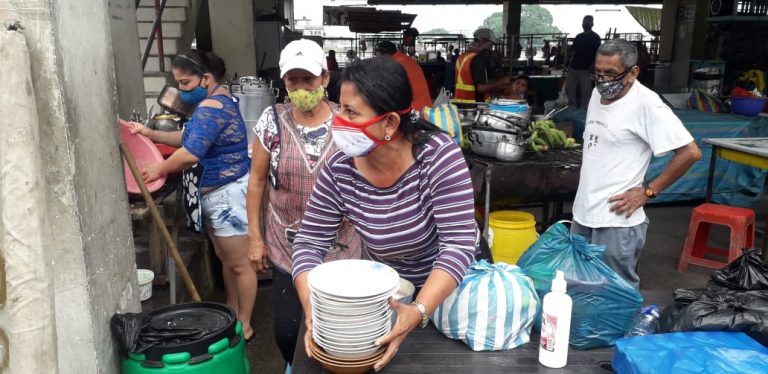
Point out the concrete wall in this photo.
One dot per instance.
(93, 256)
(127, 56)
(233, 36)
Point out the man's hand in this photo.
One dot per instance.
(628, 202)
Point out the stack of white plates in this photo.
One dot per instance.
(350, 308)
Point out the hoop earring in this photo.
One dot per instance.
(387, 137)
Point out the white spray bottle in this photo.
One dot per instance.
(555, 324)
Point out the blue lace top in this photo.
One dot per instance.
(218, 138)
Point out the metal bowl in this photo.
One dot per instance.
(500, 101)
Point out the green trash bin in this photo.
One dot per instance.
(214, 344)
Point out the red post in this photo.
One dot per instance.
(159, 37)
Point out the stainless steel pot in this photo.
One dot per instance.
(164, 122)
(484, 142)
(170, 100)
(255, 95)
(509, 152)
(502, 120)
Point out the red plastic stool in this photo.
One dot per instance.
(741, 221)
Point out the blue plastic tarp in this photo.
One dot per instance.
(710, 352)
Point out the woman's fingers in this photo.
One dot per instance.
(390, 353)
(308, 342)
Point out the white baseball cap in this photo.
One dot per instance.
(303, 54)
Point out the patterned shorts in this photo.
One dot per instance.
(224, 208)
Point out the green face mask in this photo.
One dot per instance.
(305, 100)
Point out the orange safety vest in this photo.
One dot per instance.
(465, 84)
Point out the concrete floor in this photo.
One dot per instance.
(658, 270)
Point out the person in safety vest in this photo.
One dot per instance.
(475, 72)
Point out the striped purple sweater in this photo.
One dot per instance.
(424, 221)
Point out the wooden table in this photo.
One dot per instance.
(427, 351)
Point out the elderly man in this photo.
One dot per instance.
(626, 124)
(476, 71)
(578, 87)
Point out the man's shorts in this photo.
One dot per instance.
(224, 209)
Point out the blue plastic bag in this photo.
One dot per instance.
(603, 302)
(492, 309)
(690, 352)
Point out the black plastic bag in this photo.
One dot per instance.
(718, 310)
(173, 326)
(126, 328)
(748, 272)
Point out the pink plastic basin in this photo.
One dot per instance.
(145, 153)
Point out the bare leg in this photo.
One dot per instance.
(230, 283)
(233, 252)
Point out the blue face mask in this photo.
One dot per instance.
(193, 96)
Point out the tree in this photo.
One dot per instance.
(437, 31)
(533, 20)
(495, 23)
(536, 20)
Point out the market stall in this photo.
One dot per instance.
(539, 179)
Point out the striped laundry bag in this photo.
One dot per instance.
(493, 309)
(446, 117)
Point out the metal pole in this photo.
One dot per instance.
(159, 36)
(487, 208)
(151, 36)
(711, 178)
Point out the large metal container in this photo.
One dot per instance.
(485, 141)
(254, 94)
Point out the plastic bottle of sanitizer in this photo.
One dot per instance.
(555, 324)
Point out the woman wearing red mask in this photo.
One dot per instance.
(405, 187)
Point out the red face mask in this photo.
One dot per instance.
(354, 138)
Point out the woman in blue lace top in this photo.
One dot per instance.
(213, 154)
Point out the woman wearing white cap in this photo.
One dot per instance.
(295, 140)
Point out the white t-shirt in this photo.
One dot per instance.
(618, 141)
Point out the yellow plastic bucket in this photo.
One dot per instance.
(512, 232)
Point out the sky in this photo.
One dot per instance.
(466, 18)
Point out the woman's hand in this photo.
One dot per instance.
(257, 255)
(408, 317)
(308, 334)
(138, 128)
(152, 173)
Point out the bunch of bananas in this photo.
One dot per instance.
(545, 136)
